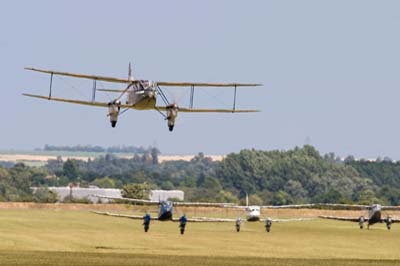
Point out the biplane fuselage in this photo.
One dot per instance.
(142, 95)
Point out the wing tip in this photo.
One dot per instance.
(246, 111)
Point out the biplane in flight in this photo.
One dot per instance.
(141, 95)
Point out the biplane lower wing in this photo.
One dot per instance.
(98, 104)
(193, 110)
(161, 108)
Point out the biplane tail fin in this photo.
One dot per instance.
(130, 76)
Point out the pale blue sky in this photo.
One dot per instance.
(330, 69)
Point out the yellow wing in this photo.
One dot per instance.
(202, 84)
(190, 110)
(161, 108)
(124, 80)
(84, 76)
(98, 104)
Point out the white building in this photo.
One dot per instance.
(157, 195)
(82, 193)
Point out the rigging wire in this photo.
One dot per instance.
(71, 85)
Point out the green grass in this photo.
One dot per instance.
(55, 237)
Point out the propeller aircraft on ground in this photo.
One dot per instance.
(374, 214)
(141, 95)
(166, 209)
(253, 213)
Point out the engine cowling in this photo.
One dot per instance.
(361, 222)
(113, 111)
(388, 222)
(172, 113)
(268, 224)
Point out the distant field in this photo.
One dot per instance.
(65, 237)
(37, 158)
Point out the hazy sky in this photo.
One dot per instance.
(330, 69)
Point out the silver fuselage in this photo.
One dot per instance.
(142, 95)
(375, 214)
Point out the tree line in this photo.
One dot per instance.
(90, 148)
(300, 175)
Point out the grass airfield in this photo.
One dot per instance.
(64, 237)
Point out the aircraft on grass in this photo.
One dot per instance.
(374, 214)
(165, 211)
(166, 208)
(141, 95)
(253, 213)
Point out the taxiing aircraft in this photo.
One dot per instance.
(141, 95)
(166, 209)
(165, 212)
(253, 213)
(374, 214)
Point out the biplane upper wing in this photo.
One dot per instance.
(84, 76)
(204, 84)
(124, 80)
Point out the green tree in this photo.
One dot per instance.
(45, 195)
(136, 191)
(105, 182)
(154, 155)
(71, 170)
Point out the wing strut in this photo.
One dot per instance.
(234, 100)
(51, 84)
(94, 91)
(163, 97)
(191, 96)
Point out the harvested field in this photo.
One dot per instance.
(53, 235)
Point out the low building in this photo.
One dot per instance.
(157, 195)
(87, 193)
